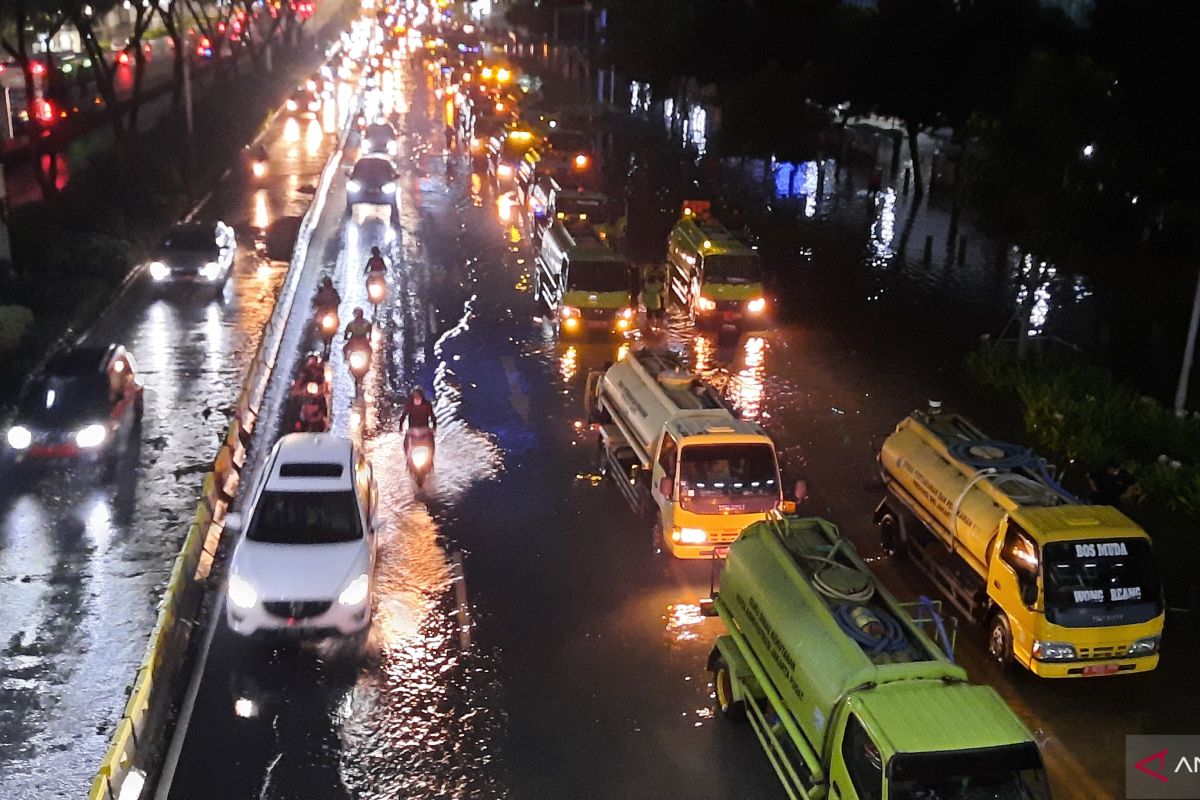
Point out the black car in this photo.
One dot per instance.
(83, 407)
(378, 139)
(373, 180)
(195, 252)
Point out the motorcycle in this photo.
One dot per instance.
(358, 359)
(419, 456)
(327, 323)
(309, 399)
(376, 288)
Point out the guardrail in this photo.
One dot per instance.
(135, 742)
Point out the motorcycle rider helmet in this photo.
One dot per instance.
(358, 313)
(418, 393)
(327, 282)
(375, 252)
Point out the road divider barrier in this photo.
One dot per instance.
(137, 741)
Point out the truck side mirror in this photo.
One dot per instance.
(664, 486)
(233, 521)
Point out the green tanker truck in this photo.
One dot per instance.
(846, 692)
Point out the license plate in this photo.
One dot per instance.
(1100, 669)
(722, 551)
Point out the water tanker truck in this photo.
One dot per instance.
(1065, 589)
(679, 454)
(843, 688)
(714, 274)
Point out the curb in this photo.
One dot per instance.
(151, 697)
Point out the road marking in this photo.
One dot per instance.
(517, 398)
(460, 597)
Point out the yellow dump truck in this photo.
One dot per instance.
(1066, 589)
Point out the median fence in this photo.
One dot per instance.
(135, 744)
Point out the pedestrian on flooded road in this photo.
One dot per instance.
(652, 298)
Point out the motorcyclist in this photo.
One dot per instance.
(359, 329)
(375, 264)
(327, 295)
(314, 412)
(313, 369)
(419, 413)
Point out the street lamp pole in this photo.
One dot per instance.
(1189, 354)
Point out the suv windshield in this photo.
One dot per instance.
(372, 170)
(732, 268)
(1009, 772)
(1100, 582)
(66, 400)
(598, 276)
(380, 133)
(305, 518)
(728, 478)
(190, 239)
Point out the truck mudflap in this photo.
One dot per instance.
(791, 755)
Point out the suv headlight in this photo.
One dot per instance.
(1053, 651)
(389, 188)
(158, 270)
(353, 186)
(91, 436)
(19, 437)
(210, 271)
(241, 593)
(355, 591)
(1144, 647)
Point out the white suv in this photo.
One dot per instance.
(305, 562)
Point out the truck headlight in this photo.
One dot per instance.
(241, 593)
(91, 436)
(19, 437)
(706, 304)
(355, 591)
(1144, 647)
(757, 305)
(689, 535)
(159, 271)
(210, 271)
(1053, 651)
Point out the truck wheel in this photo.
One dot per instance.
(723, 685)
(891, 537)
(1000, 640)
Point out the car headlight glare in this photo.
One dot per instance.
(1053, 651)
(389, 188)
(210, 271)
(356, 591)
(91, 436)
(690, 535)
(241, 593)
(19, 437)
(353, 186)
(158, 270)
(706, 304)
(1144, 647)
(757, 305)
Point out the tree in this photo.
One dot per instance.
(21, 21)
(84, 15)
(144, 13)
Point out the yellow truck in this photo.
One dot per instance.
(1065, 589)
(716, 276)
(677, 452)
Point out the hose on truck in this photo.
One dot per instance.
(890, 641)
(1009, 457)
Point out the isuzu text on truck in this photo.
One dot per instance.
(676, 450)
(1066, 589)
(847, 695)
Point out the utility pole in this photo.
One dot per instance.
(1189, 353)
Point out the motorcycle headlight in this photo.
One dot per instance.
(91, 436)
(355, 591)
(1144, 647)
(1053, 651)
(329, 322)
(389, 188)
(690, 535)
(159, 271)
(353, 186)
(706, 304)
(757, 305)
(420, 457)
(210, 271)
(358, 361)
(19, 437)
(241, 593)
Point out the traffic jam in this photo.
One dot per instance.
(525, 518)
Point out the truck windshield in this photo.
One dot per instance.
(598, 276)
(728, 478)
(1100, 582)
(1011, 772)
(732, 268)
